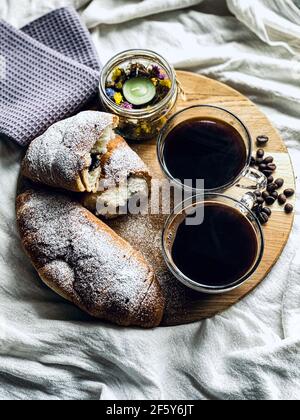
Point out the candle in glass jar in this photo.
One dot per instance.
(139, 91)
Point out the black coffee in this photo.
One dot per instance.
(218, 252)
(205, 149)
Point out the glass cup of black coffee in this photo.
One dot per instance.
(207, 143)
(220, 253)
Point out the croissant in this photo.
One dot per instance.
(85, 262)
(68, 154)
(124, 177)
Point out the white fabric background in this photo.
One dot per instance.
(252, 351)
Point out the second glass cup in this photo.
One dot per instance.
(215, 252)
(222, 160)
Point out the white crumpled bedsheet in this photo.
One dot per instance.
(48, 350)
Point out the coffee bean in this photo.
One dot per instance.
(267, 172)
(262, 167)
(270, 200)
(253, 161)
(263, 218)
(257, 193)
(270, 179)
(271, 166)
(262, 140)
(275, 195)
(260, 200)
(279, 182)
(267, 211)
(259, 161)
(272, 187)
(260, 153)
(268, 160)
(257, 209)
(289, 192)
(282, 199)
(265, 195)
(288, 208)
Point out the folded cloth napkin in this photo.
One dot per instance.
(49, 71)
(63, 31)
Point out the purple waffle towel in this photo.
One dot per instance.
(49, 70)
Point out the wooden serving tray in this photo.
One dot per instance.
(145, 232)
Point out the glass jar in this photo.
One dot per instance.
(145, 123)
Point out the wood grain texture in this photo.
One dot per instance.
(144, 232)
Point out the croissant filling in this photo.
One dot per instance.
(100, 147)
(91, 176)
(112, 200)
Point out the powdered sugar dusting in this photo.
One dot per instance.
(145, 233)
(58, 156)
(109, 277)
(122, 163)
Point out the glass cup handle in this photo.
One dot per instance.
(248, 200)
(253, 180)
(256, 181)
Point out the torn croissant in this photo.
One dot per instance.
(68, 155)
(124, 177)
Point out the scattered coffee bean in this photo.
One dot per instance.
(262, 140)
(279, 182)
(262, 167)
(288, 208)
(267, 211)
(271, 188)
(282, 199)
(268, 160)
(271, 166)
(267, 172)
(263, 218)
(289, 192)
(257, 208)
(265, 195)
(270, 200)
(260, 153)
(267, 166)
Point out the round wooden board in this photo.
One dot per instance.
(144, 232)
